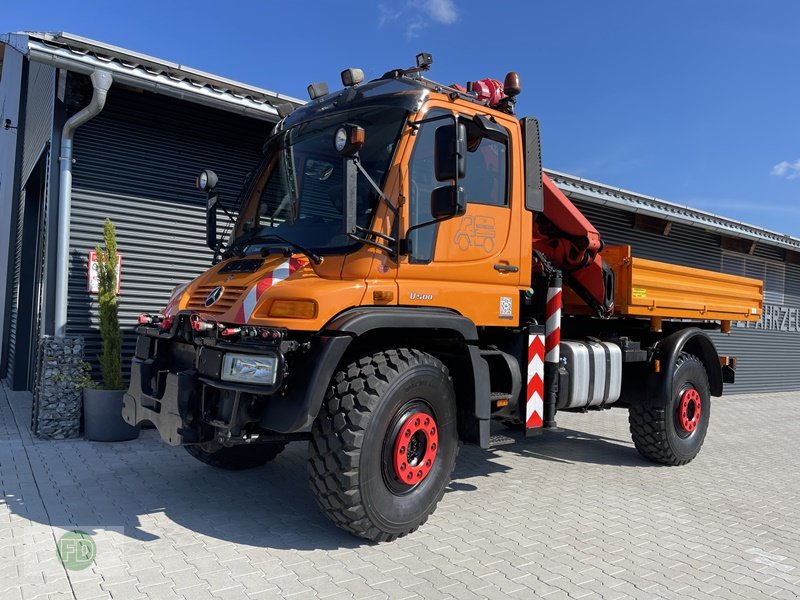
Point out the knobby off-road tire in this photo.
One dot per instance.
(674, 433)
(384, 445)
(237, 458)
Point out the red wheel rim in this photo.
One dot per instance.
(689, 410)
(415, 448)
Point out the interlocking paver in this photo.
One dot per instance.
(573, 514)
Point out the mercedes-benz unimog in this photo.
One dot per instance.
(393, 284)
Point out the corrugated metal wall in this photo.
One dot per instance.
(38, 115)
(767, 356)
(12, 318)
(136, 164)
(36, 133)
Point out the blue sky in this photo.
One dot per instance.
(693, 101)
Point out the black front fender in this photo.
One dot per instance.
(474, 385)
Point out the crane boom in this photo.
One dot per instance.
(571, 243)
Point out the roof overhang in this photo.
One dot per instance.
(82, 55)
(597, 193)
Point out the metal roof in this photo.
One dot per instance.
(76, 53)
(599, 193)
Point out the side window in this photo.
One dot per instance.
(487, 168)
(423, 182)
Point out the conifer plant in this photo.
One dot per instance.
(110, 332)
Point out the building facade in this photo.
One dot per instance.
(162, 123)
(134, 162)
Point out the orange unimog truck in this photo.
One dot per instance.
(393, 283)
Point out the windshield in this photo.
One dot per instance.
(297, 192)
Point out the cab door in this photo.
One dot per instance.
(469, 263)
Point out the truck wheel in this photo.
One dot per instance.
(384, 444)
(673, 435)
(237, 458)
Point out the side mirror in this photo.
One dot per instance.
(450, 152)
(447, 201)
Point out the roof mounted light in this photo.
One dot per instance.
(424, 61)
(352, 77)
(317, 90)
(511, 85)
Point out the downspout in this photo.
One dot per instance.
(101, 81)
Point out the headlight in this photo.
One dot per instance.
(340, 139)
(248, 368)
(206, 181)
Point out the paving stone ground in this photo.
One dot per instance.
(574, 514)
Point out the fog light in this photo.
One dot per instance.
(247, 368)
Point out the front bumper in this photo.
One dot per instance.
(169, 411)
(175, 385)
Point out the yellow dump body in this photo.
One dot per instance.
(648, 288)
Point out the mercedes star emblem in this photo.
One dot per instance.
(214, 295)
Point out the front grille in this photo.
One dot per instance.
(230, 294)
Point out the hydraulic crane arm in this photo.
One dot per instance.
(571, 243)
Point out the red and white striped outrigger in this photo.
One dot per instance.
(544, 349)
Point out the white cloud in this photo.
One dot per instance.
(416, 15)
(441, 11)
(787, 169)
(387, 14)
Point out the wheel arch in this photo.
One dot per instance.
(694, 341)
(449, 336)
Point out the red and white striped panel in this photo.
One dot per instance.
(534, 406)
(553, 325)
(283, 271)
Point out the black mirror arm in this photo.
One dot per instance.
(490, 129)
(427, 223)
(375, 186)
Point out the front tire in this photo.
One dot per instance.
(236, 458)
(384, 445)
(673, 434)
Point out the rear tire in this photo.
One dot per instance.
(384, 444)
(237, 458)
(673, 433)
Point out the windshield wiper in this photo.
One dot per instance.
(313, 256)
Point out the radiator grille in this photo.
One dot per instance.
(230, 294)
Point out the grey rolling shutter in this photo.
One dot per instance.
(13, 316)
(38, 115)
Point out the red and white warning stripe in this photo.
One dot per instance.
(534, 407)
(552, 325)
(281, 272)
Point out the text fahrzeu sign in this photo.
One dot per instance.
(775, 318)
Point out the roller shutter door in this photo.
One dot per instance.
(12, 321)
(38, 115)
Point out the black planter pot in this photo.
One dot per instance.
(102, 417)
